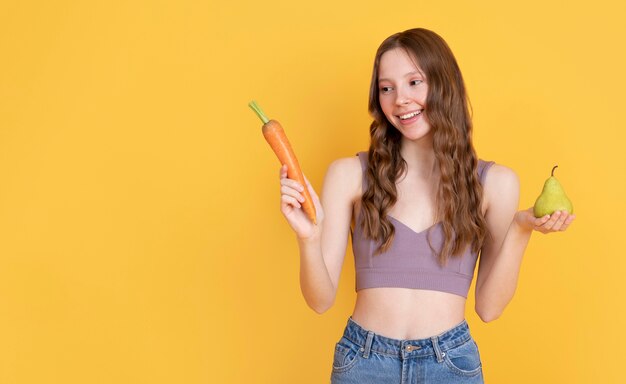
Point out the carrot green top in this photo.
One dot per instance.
(258, 111)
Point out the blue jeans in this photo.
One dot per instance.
(363, 357)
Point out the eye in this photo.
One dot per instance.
(416, 82)
(385, 89)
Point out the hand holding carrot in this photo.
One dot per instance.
(277, 139)
(291, 199)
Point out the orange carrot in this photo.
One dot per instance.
(277, 139)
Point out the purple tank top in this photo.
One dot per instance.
(409, 262)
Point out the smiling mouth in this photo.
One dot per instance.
(409, 115)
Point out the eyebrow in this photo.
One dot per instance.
(407, 75)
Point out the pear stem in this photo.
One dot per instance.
(552, 174)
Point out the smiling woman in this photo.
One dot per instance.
(417, 71)
(403, 100)
(421, 206)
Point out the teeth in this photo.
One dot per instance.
(409, 115)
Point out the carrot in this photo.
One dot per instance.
(277, 139)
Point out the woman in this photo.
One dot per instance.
(420, 206)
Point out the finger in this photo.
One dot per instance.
(559, 217)
(538, 222)
(287, 191)
(290, 200)
(541, 220)
(559, 223)
(283, 171)
(553, 218)
(567, 223)
(292, 184)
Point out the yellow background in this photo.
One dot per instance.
(140, 234)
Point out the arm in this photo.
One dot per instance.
(509, 233)
(323, 247)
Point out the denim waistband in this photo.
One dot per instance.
(435, 345)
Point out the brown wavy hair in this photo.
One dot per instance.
(459, 192)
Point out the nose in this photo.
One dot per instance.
(402, 97)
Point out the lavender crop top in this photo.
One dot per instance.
(410, 262)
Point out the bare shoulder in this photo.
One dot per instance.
(347, 167)
(344, 176)
(501, 182)
(499, 174)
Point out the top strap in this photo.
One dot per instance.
(363, 157)
(483, 167)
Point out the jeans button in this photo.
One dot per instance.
(410, 348)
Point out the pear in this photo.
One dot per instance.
(552, 198)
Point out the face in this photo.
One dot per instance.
(402, 92)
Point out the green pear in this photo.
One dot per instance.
(552, 198)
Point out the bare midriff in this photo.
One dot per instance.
(402, 313)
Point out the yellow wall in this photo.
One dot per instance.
(140, 234)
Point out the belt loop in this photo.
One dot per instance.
(440, 355)
(368, 344)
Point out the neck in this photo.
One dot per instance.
(420, 157)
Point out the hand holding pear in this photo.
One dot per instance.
(552, 198)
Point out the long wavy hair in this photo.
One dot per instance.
(459, 192)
